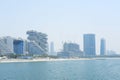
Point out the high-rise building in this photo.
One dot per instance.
(26, 46)
(103, 47)
(52, 52)
(18, 46)
(9, 42)
(37, 44)
(6, 45)
(89, 45)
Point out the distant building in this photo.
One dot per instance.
(37, 44)
(89, 45)
(70, 50)
(52, 52)
(26, 46)
(111, 53)
(71, 47)
(103, 47)
(18, 46)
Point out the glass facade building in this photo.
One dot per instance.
(89, 45)
(18, 46)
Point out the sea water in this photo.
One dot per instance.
(62, 70)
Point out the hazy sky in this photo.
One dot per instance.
(63, 20)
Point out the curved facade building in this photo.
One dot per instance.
(37, 43)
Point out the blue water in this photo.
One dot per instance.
(62, 70)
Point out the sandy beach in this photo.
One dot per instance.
(49, 59)
(40, 60)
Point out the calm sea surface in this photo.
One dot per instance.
(62, 70)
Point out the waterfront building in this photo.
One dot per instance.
(18, 45)
(6, 45)
(89, 45)
(37, 44)
(9, 42)
(72, 47)
(103, 47)
(70, 50)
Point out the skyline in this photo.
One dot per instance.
(63, 20)
(86, 39)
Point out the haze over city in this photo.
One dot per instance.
(64, 20)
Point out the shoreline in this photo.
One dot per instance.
(49, 60)
(36, 60)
